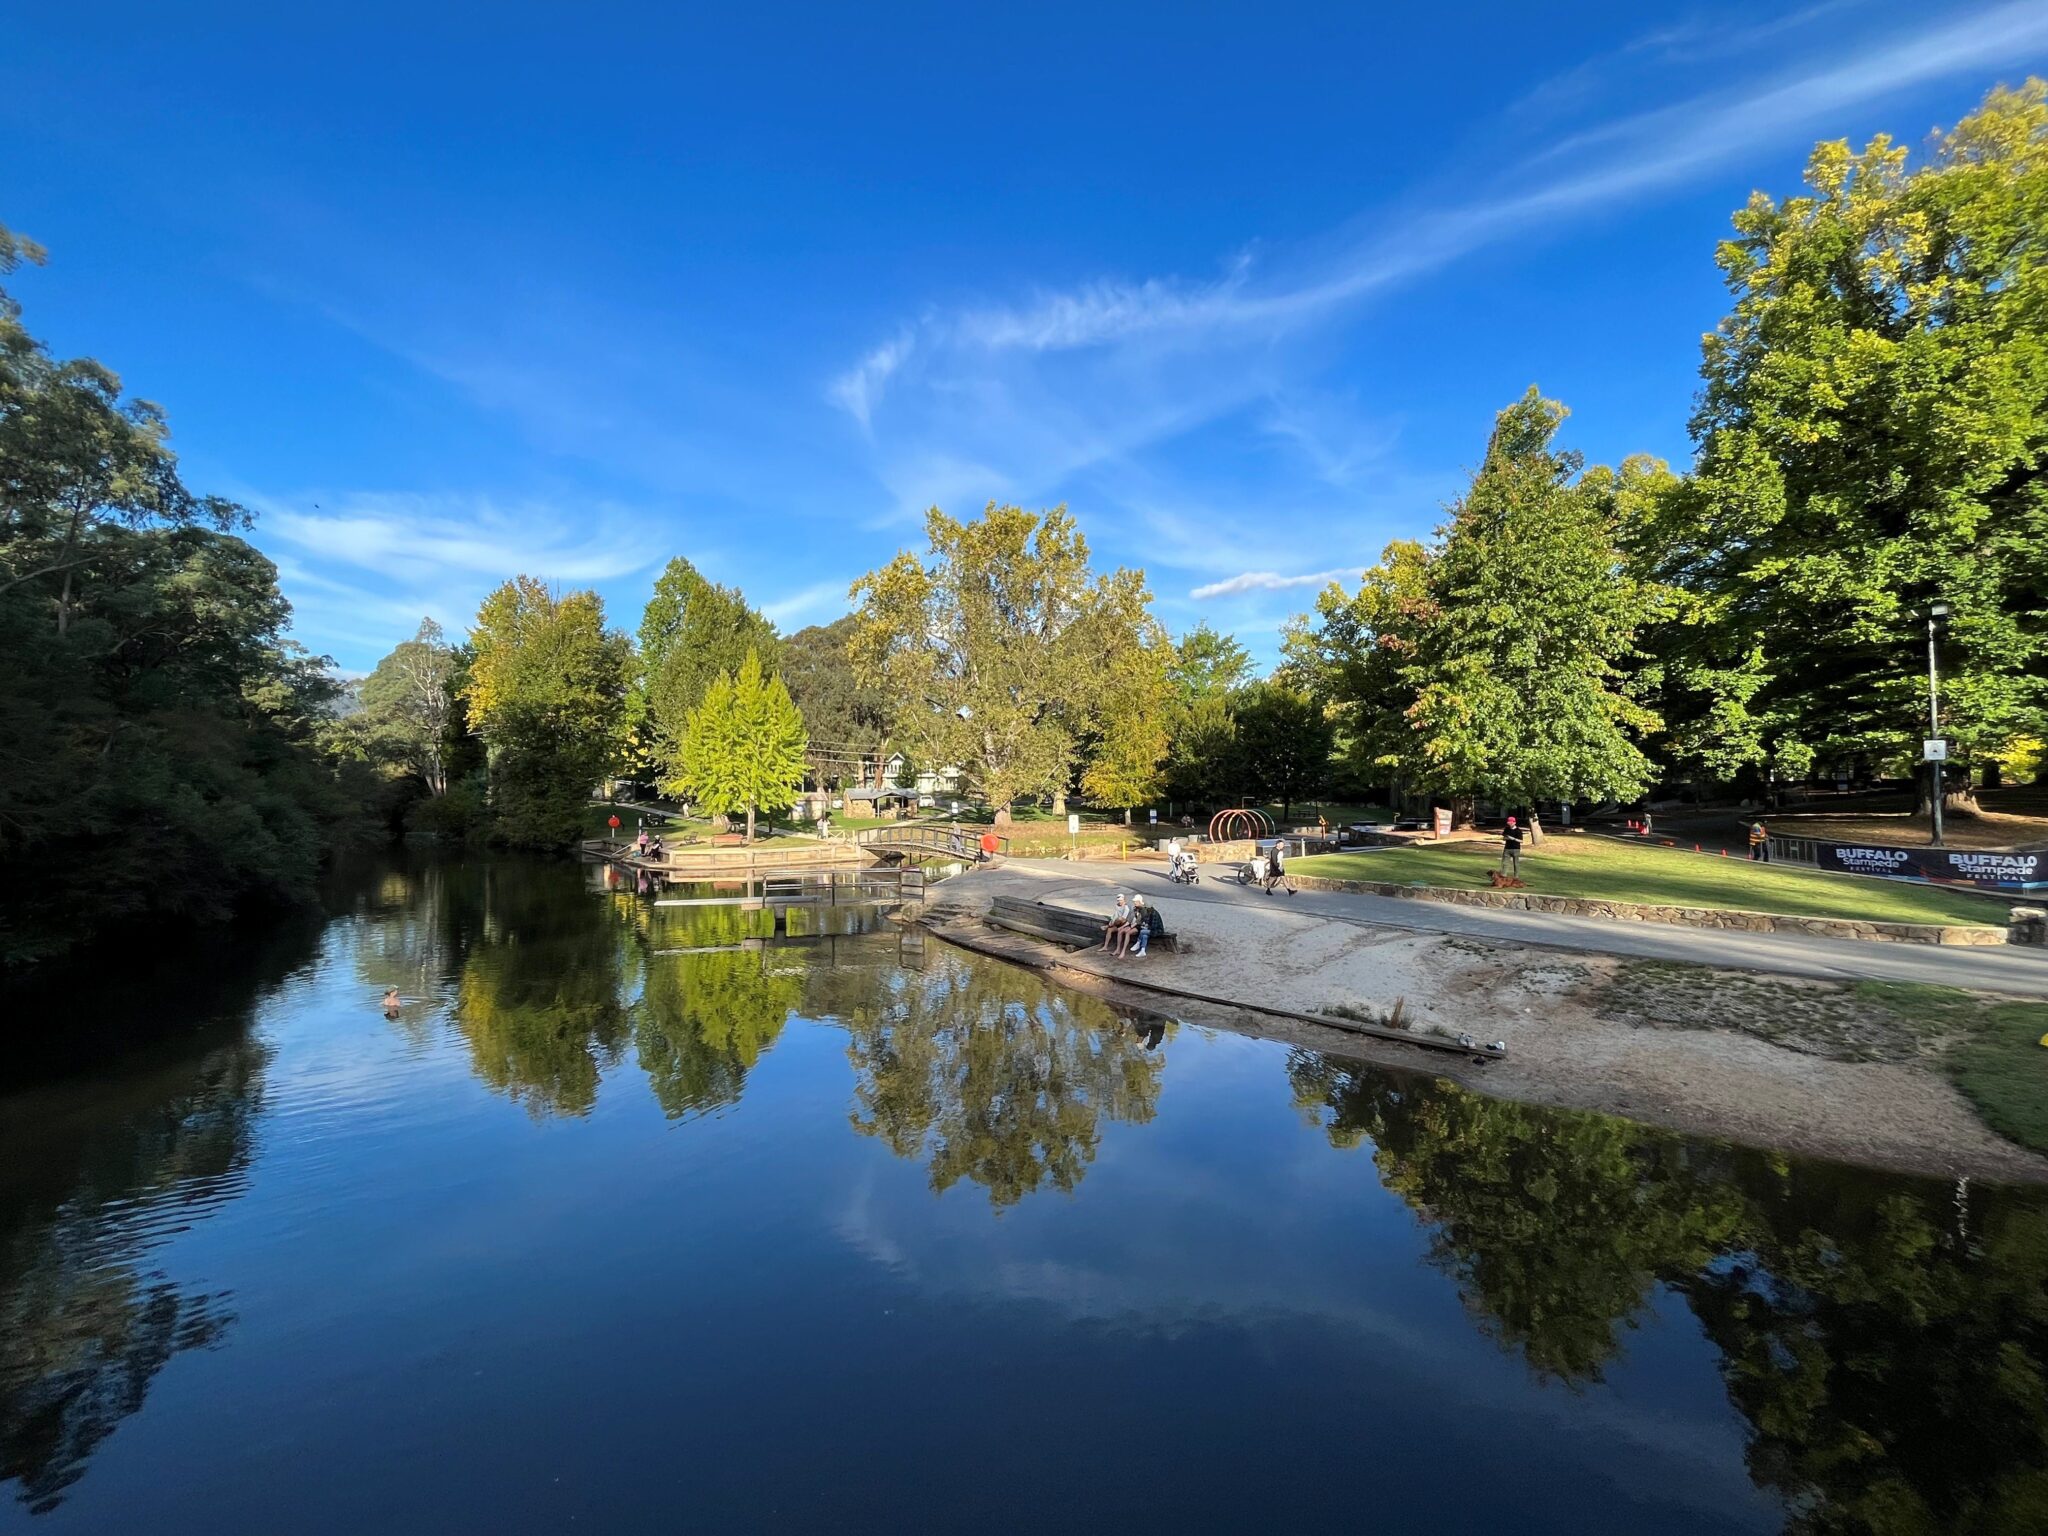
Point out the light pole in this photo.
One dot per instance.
(1937, 615)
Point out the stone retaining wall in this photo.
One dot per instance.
(1688, 917)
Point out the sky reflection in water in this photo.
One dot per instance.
(630, 1218)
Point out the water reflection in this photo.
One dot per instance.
(988, 1074)
(97, 1175)
(1884, 1337)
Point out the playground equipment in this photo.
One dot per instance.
(1240, 822)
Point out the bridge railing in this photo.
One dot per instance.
(939, 841)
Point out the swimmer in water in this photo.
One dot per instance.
(391, 1000)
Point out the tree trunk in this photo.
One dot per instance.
(1127, 815)
(750, 821)
(1059, 803)
(1003, 814)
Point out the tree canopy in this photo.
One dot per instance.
(997, 654)
(1871, 435)
(743, 747)
(545, 690)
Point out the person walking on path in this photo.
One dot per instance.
(1759, 843)
(1511, 850)
(1276, 869)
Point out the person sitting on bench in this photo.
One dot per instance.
(1119, 921)
(1145, 921)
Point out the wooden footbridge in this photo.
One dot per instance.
(929, 840)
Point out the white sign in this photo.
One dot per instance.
(1934, 751)
(1153, 817)
(1073, 824)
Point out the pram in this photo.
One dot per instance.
(1180, 869)
(1252, 871)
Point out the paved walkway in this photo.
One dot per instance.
(2020, 971)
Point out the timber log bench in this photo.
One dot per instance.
(1063, 925)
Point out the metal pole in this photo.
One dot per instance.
(1934, 723)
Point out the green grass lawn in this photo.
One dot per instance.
(1990, 1050)
(1602, 870)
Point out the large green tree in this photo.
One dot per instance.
(545, 689)
(997, 653)
(742, 748)
(1520, 692)
(846, 720)
(409, 707)
(1284, 737)
(691, 632)
(161, 739)
(1872, 435)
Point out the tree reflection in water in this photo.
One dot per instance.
(539, 998)
(988, 1074)
(95, 1177)
(709, 1002)
(1885, 1338)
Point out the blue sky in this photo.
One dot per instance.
(447, 293)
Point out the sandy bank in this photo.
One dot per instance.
(1569, 1045)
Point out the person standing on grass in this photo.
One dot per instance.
(1759, 843)
(1511, 849)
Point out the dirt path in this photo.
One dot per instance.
(1564, 1047)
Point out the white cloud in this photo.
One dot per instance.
(1068, 378)
(821, 601)
(362, 568)
(1272, 581)
(859, 390)
(408, 535)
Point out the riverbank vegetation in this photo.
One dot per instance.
(1871, 441)
(162, 754)
(1602, 869)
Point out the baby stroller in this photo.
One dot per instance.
(1180, 869)
(1252, 871)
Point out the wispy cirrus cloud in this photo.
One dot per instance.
(856, 390)
(1273, 581)
(362, 567)
(1061, 379)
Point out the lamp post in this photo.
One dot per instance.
(1937, 615)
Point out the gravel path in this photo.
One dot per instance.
(2022, 972)
(1534, 980)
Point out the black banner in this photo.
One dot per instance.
(1951, 866)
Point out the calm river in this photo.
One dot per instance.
(622, 1224)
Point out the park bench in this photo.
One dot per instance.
(1061, 925)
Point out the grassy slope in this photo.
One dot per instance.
(1990, 1050)
(1609, 871)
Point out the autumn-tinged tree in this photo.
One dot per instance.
(742, 748)
(545, 690)
(997, 653)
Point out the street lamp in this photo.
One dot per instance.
(1937, 618)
